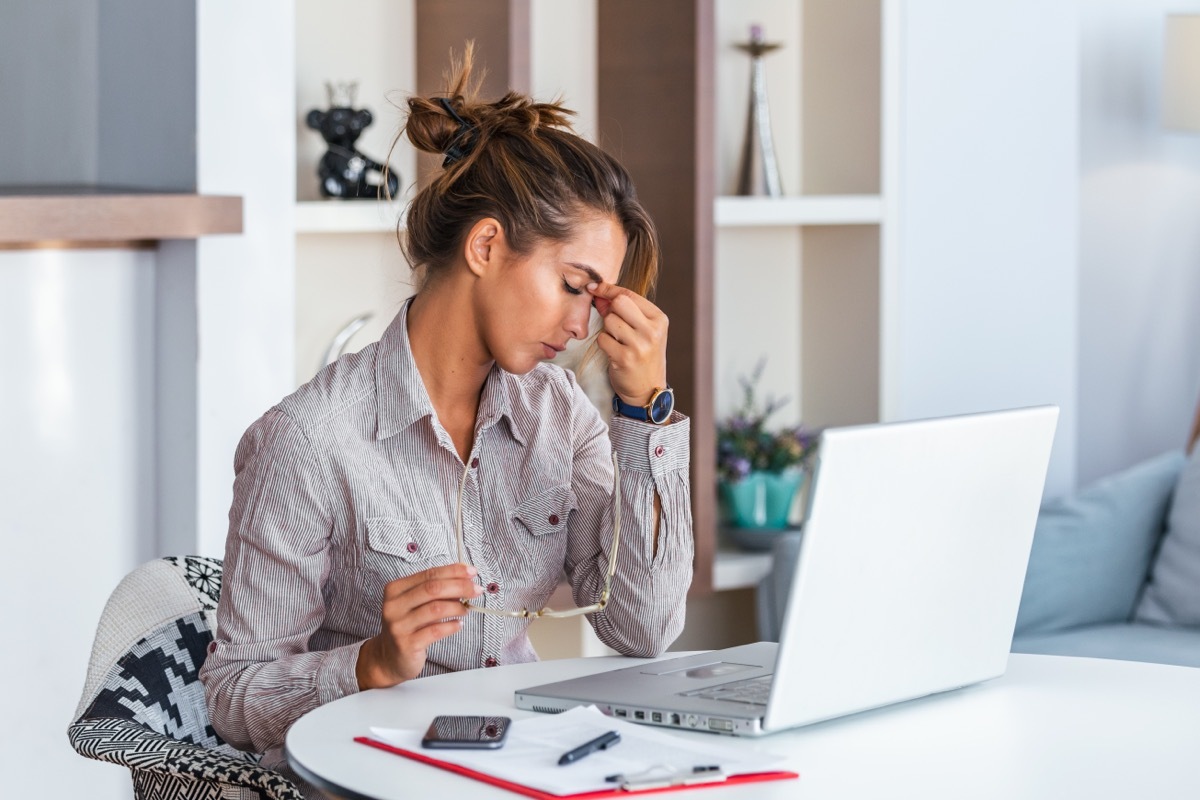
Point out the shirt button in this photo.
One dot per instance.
(490, 661)
(554, 519)
(474, 463)
(412, 547)
(212, 647)
(658, 451)
(493, 587)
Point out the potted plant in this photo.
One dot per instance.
(760, 470)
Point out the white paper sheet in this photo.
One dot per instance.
(530, 755)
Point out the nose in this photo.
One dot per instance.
(577, 320)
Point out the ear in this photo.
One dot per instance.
(485, 247)
(315, 118)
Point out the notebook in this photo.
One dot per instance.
(643, 759)
(907, 582)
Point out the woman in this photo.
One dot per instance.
(448, 466)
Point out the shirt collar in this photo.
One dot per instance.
(401, 397)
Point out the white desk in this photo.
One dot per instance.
(1052, 727)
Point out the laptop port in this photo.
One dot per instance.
(675, 719)
(656, 716)
(715, 724)
(639, 715)
(620, 712)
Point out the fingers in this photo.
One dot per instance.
(461, 572)
(435, 633)
(634, 338)
(630, 305)
(417, 611)
(417, 619)
(619, 329)
(428, 596)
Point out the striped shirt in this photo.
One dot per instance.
(352, 482)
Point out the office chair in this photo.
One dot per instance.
(143, 704)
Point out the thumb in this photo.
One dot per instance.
(606, 290)
(603, 294)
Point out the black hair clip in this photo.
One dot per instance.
(462, 142)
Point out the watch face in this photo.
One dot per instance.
(661, 406)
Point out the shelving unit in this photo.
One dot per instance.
(802, 277)
(735, 569)
(748, 212)
(348, 216)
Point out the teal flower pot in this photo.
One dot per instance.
(762, 499)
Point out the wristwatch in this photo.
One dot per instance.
(656, 412)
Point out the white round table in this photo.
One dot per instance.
(1052, 727)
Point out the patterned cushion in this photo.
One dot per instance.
(143, 704)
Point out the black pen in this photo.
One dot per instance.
(602, 742)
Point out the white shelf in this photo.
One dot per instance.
(735, 569)
(849, 209)
(348, 216)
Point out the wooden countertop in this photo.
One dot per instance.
(82, 216)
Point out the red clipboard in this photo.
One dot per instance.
(732, 780)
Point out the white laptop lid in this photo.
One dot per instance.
(912, 561)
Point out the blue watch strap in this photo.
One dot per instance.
(625, 410)
(656, 412)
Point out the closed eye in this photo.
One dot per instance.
(571, 289)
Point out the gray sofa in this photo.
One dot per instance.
(1105, 581)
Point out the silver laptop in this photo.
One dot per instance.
(907, 583)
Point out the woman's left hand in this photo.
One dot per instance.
(634, 338)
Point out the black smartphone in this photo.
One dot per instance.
(486, 733)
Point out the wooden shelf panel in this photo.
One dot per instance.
(801, 210)
(67, 215)
(348, 216)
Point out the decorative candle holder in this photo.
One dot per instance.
(759, 173)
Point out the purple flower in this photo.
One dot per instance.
(744, 443)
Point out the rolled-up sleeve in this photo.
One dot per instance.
(260, 676)
(646, 608)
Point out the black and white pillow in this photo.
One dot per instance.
(156, 684)
(203, 575)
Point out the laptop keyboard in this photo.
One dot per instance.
(752, 691)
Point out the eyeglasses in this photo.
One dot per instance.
(525, 613)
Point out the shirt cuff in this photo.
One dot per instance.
(337, 676)
(657, 449)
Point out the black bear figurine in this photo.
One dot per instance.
(344, 171)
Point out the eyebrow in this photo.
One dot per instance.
(595, 276)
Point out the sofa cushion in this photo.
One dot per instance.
(1172, 595)
(1092, 550)
(1122, 640)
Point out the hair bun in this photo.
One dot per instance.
(440, 124)
(429, 127)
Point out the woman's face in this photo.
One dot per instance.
(539, 301)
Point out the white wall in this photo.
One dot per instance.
(1139, 282)
(988, 183)
(245, 285)
(76, 487)
(562, 63)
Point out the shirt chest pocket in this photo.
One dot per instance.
(397, 548)
(540, 525)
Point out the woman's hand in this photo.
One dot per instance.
(635, 340)
(417, 611)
